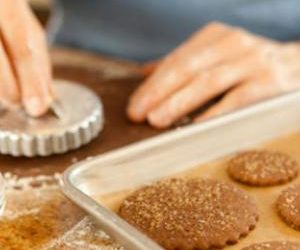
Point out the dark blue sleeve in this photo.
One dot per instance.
(147, 29)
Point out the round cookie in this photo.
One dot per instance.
(262, 168)
(274, 245)
(288, 205)
(191, 214)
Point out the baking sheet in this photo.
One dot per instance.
(270, 226)
(170, 154)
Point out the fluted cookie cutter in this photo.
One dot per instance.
(75, 119)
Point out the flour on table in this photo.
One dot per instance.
(38, 216)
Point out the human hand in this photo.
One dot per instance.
(218, 59)
(25, 77)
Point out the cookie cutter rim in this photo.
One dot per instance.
(18, 143)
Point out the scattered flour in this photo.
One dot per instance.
(38, 216)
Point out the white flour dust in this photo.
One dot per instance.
(38, 216)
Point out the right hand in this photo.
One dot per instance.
(217, 60)
(25, 69)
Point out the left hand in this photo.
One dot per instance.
(218, 59)
(25, 67)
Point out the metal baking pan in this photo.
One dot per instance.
(170, 153)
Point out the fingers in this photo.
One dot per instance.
(174, 71)
(27, 49)
(201, 89)
(9, 92)
(210, 47)
(251, 91)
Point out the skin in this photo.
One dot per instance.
(216, 60)
(25, 78)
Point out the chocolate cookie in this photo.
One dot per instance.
(275, 245)
(262, 168)
(191, 214)
(288, 205)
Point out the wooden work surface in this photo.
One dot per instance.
(113, 81)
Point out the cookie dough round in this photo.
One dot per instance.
(262, 168)
(274, 245)
(288, 205)
(191, 214)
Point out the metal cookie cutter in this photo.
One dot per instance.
(75, 119)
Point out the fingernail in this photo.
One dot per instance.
(201, 118)
(158, 119)
(34, 106)
(134, 114)
(136, 111)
